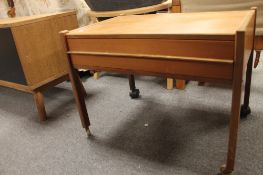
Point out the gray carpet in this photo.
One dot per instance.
(162, 133)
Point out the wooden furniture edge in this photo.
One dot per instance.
(15, 86)
(36, 18)
(163, 5)
(76, 85)
(52, 81)
(194, 59)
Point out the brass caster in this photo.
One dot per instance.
(88, 132)
(224, 171)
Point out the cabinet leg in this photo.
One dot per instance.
(39, 100)
(135, 93)
(258, 52)
(170, 83)
(180, 84)
(245, 109)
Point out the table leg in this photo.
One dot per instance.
(233, 129)
(79, 97)
(76, 86)
(39, 100)
(235, 113)
(135, 93)
(245, 109)
(84, 92)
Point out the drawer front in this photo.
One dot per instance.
(181, 48)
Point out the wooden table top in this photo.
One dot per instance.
(12, 22)
(204, 25)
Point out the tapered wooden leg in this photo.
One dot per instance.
(170, 83)
(39, 100)
(79, 97)
(257, 58)
(245, 109)
(233, 130)
(83, 90)
(76, 86)
(180, 84)
(135, 93)
(236, 105)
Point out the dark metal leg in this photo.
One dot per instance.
(135, 93)
(245, 109)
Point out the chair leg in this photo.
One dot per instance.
(245, 109)
(258, 52)
(135, 93)
(96, 75)
(39, 100)
(180, 84)
(170, 83)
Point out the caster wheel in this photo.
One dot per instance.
(244, 112)
(88, 132)
(135, 94)
(224, 171)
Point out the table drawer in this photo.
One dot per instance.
(182, 48)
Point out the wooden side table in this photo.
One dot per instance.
(178, 50)
(31, 54)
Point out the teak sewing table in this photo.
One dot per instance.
(207, 47)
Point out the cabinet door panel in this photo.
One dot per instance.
(10, 65)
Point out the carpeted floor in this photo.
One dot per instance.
(162, 133)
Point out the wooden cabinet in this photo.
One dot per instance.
(31, 56)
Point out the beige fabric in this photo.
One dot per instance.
(221, 5)
(35, 7)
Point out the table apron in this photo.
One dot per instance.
(192, 70)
